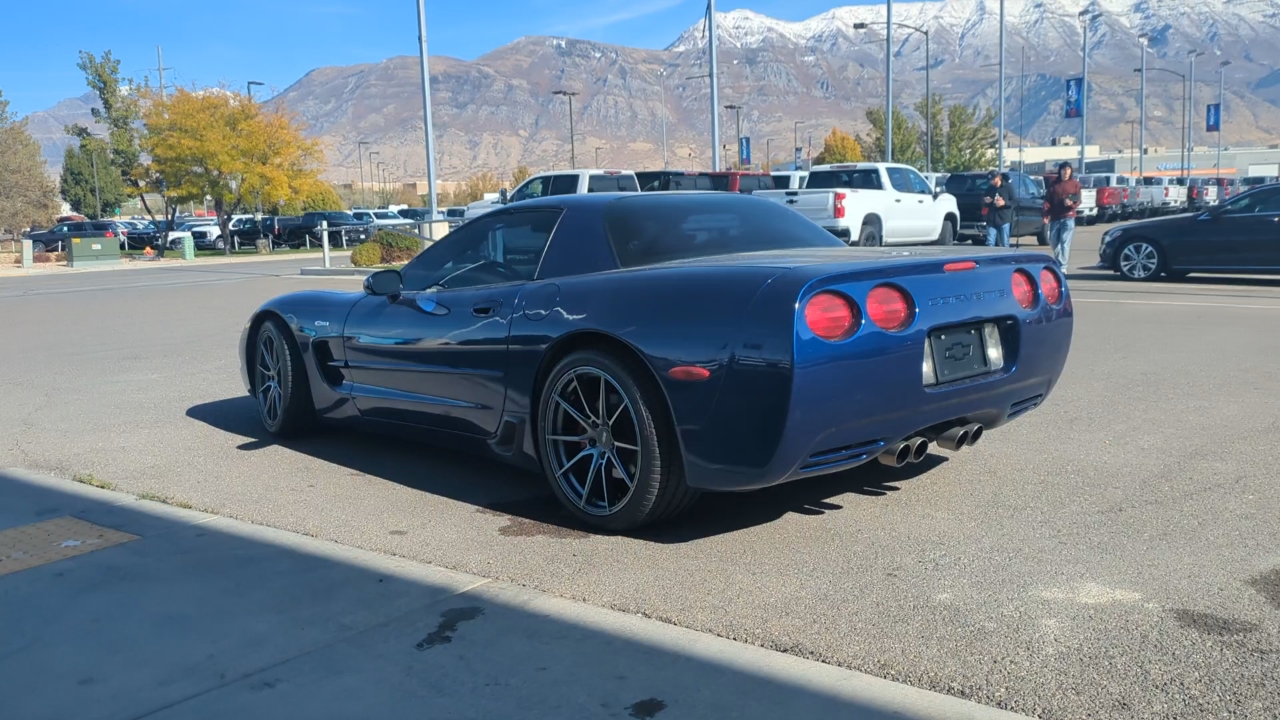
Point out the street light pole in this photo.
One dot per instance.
(1086, 17)
(662, 74)
(1000, 157)
(373, 178)
(1182, 141)
(1222, 74)
(1143, 39)
(1132, 125)
(1022, 103)
(573, 151)
(796, 139)
(249, 88)
(888, 82)
(737, 110)
(97, 194)
(1191, 105)
(928, 92)
(360, 159)
(714, 76)
(426, 111)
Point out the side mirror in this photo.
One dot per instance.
(503, 199)
(384, 283)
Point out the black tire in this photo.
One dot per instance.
(658, 491)
(1141, 260)
(948, 234)
(294, 412)
(869, 236)
(219, 244)
(1042, 237)
(37, 246)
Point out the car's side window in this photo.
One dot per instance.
(533, 188)
(1269, 204)
(1254, 203)
(564, 185)
(899, 179)
(918, 183)
(497, 248)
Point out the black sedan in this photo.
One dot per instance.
(1239, 236)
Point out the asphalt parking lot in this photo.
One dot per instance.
(1115, 554)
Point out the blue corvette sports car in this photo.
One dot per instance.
(638, 349)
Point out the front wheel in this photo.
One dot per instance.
(948, 234)
(219, 244)
(869, 236)
(280, 383)
(1140, 260)
(607, 450)
(37, 247)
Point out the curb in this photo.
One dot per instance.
(337, 271)
(16, 271)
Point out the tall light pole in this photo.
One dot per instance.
(1222, 74)
(1086, 17)
(1132, 126)
(796, 138)
(573, 152)
(1182, 138)
(714, 76)
(373, 178)
(360, 159)
(381, 173)
(1191, 106)
(426, 112)
(888, 82)
(928, 92)
(1143, 39)
(737, 110)
(1000, 158)
(248, 88)
(1022, 103)
(662, 82)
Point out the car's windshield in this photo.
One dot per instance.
(648, 229)
(967, 184)
(868, 179)
(386, 215)
(339, 216)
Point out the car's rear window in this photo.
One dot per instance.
(868, 179)
(1153, 181)
(649, 229)
(967, 184)
(612, 183)
(752, 183)
(691, 182)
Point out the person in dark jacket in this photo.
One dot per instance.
(998, 202)
(1061, 199)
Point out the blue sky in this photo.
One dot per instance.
(276, 41)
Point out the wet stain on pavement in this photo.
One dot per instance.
(1268, 586)
(646, 709)
(449, 621)
(536, 517)
(1210, 624)
(399, 532)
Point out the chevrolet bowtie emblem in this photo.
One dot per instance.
(958, 351)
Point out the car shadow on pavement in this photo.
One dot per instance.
(1224, 281)
(183, 614)
(495, 488)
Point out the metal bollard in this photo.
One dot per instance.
(324, 240)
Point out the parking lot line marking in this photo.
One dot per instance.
(1170, 302)
(28, 546)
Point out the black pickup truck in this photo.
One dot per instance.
(1028, 208)
(342, 225)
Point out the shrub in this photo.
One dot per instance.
(367, 255)
(397, 248)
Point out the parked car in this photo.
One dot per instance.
(344, 228)
(874, 204)
(789, 179)
(1170, 196)
(1202, 193)
(420, 215)
(56, 238)
(675, 180)
(381, 218)
(1228, 187)
(1241, 235)
(852, 352)
(563, 182)
(1110, 195)
(740, 181)
(1249, 182)
(938, 180)
(970, 188)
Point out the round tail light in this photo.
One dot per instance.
(1024, 289)
(1050, 286)
(831, 316)
(889, 308)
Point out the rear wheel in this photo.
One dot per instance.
(1139, 260)
(37, 246)
(869, 236)
(948, 234)
(607, 450)
(280, 383)
(1042, 237)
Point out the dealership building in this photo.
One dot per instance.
(1236, 161)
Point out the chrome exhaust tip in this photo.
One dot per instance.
(954, 439)
(975, 433)
(896, 455)
(919, 449)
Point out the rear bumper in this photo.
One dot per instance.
(973, 228)
(843, 233)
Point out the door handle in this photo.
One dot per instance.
(488, 308)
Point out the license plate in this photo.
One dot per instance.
(959, 353)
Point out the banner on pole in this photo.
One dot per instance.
(799, 157)
(1074, 86)
(1213, 118)
(744, 151)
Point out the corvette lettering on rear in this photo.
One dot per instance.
(967, 297)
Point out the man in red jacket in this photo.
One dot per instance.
(1060, 202)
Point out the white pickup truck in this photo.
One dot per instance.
(563, 182)
(874, 204)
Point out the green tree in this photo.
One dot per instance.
(27, 197)
(968, 140)
(77, 183)
(839, 147)
(938, 109)
(907, 148)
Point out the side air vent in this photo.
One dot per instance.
(329, 368)
(1022, 406)
(843, 455)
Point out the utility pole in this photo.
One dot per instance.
(1191, 106)
(573, 152)
(737, 111)
(373, 178)
(1222, 74)
(1022, 103)
(1132, 126)
(1000, 158)
(161, 68)
(662, 83)
(796, 138)
(1143, 39)
(715, 84)
(360, 159)
(888, 82)
(426, 111)
(1086, 17)
(97, 194)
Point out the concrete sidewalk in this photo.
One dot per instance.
(337, 256)
(115, 607)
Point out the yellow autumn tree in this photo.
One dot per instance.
(519, 175)
(839, 147)
(221, 144)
